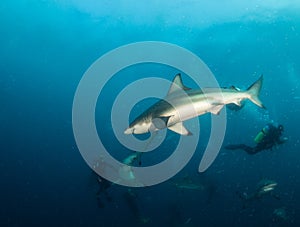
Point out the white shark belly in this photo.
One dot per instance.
(182, 113)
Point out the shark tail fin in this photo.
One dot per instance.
(254, 91)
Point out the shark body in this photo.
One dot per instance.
(183, 103)
(264, 187)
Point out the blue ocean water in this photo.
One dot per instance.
(46, 47)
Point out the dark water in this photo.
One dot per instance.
(46, 46)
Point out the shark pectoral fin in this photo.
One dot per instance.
(180, 129)
(160, 122)
(216, 109)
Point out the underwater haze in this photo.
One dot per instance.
(46, 46)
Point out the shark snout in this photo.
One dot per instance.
(138, 128)
(129, 130)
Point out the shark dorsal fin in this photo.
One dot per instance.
(177, 84)
(234, 88)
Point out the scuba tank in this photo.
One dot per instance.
(261, 135)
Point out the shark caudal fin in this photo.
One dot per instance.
(254, 91)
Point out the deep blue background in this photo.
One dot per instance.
(46, 46)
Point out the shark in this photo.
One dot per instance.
(264, 187)
(183, 103)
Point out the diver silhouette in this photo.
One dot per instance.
(266, 139)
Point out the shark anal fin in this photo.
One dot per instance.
(238, 102)
(216, 109)
(180, 129)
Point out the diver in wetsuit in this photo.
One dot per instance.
(266, 139)
(104, 185)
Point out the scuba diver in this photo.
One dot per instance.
(266, 139)
(104, 185)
